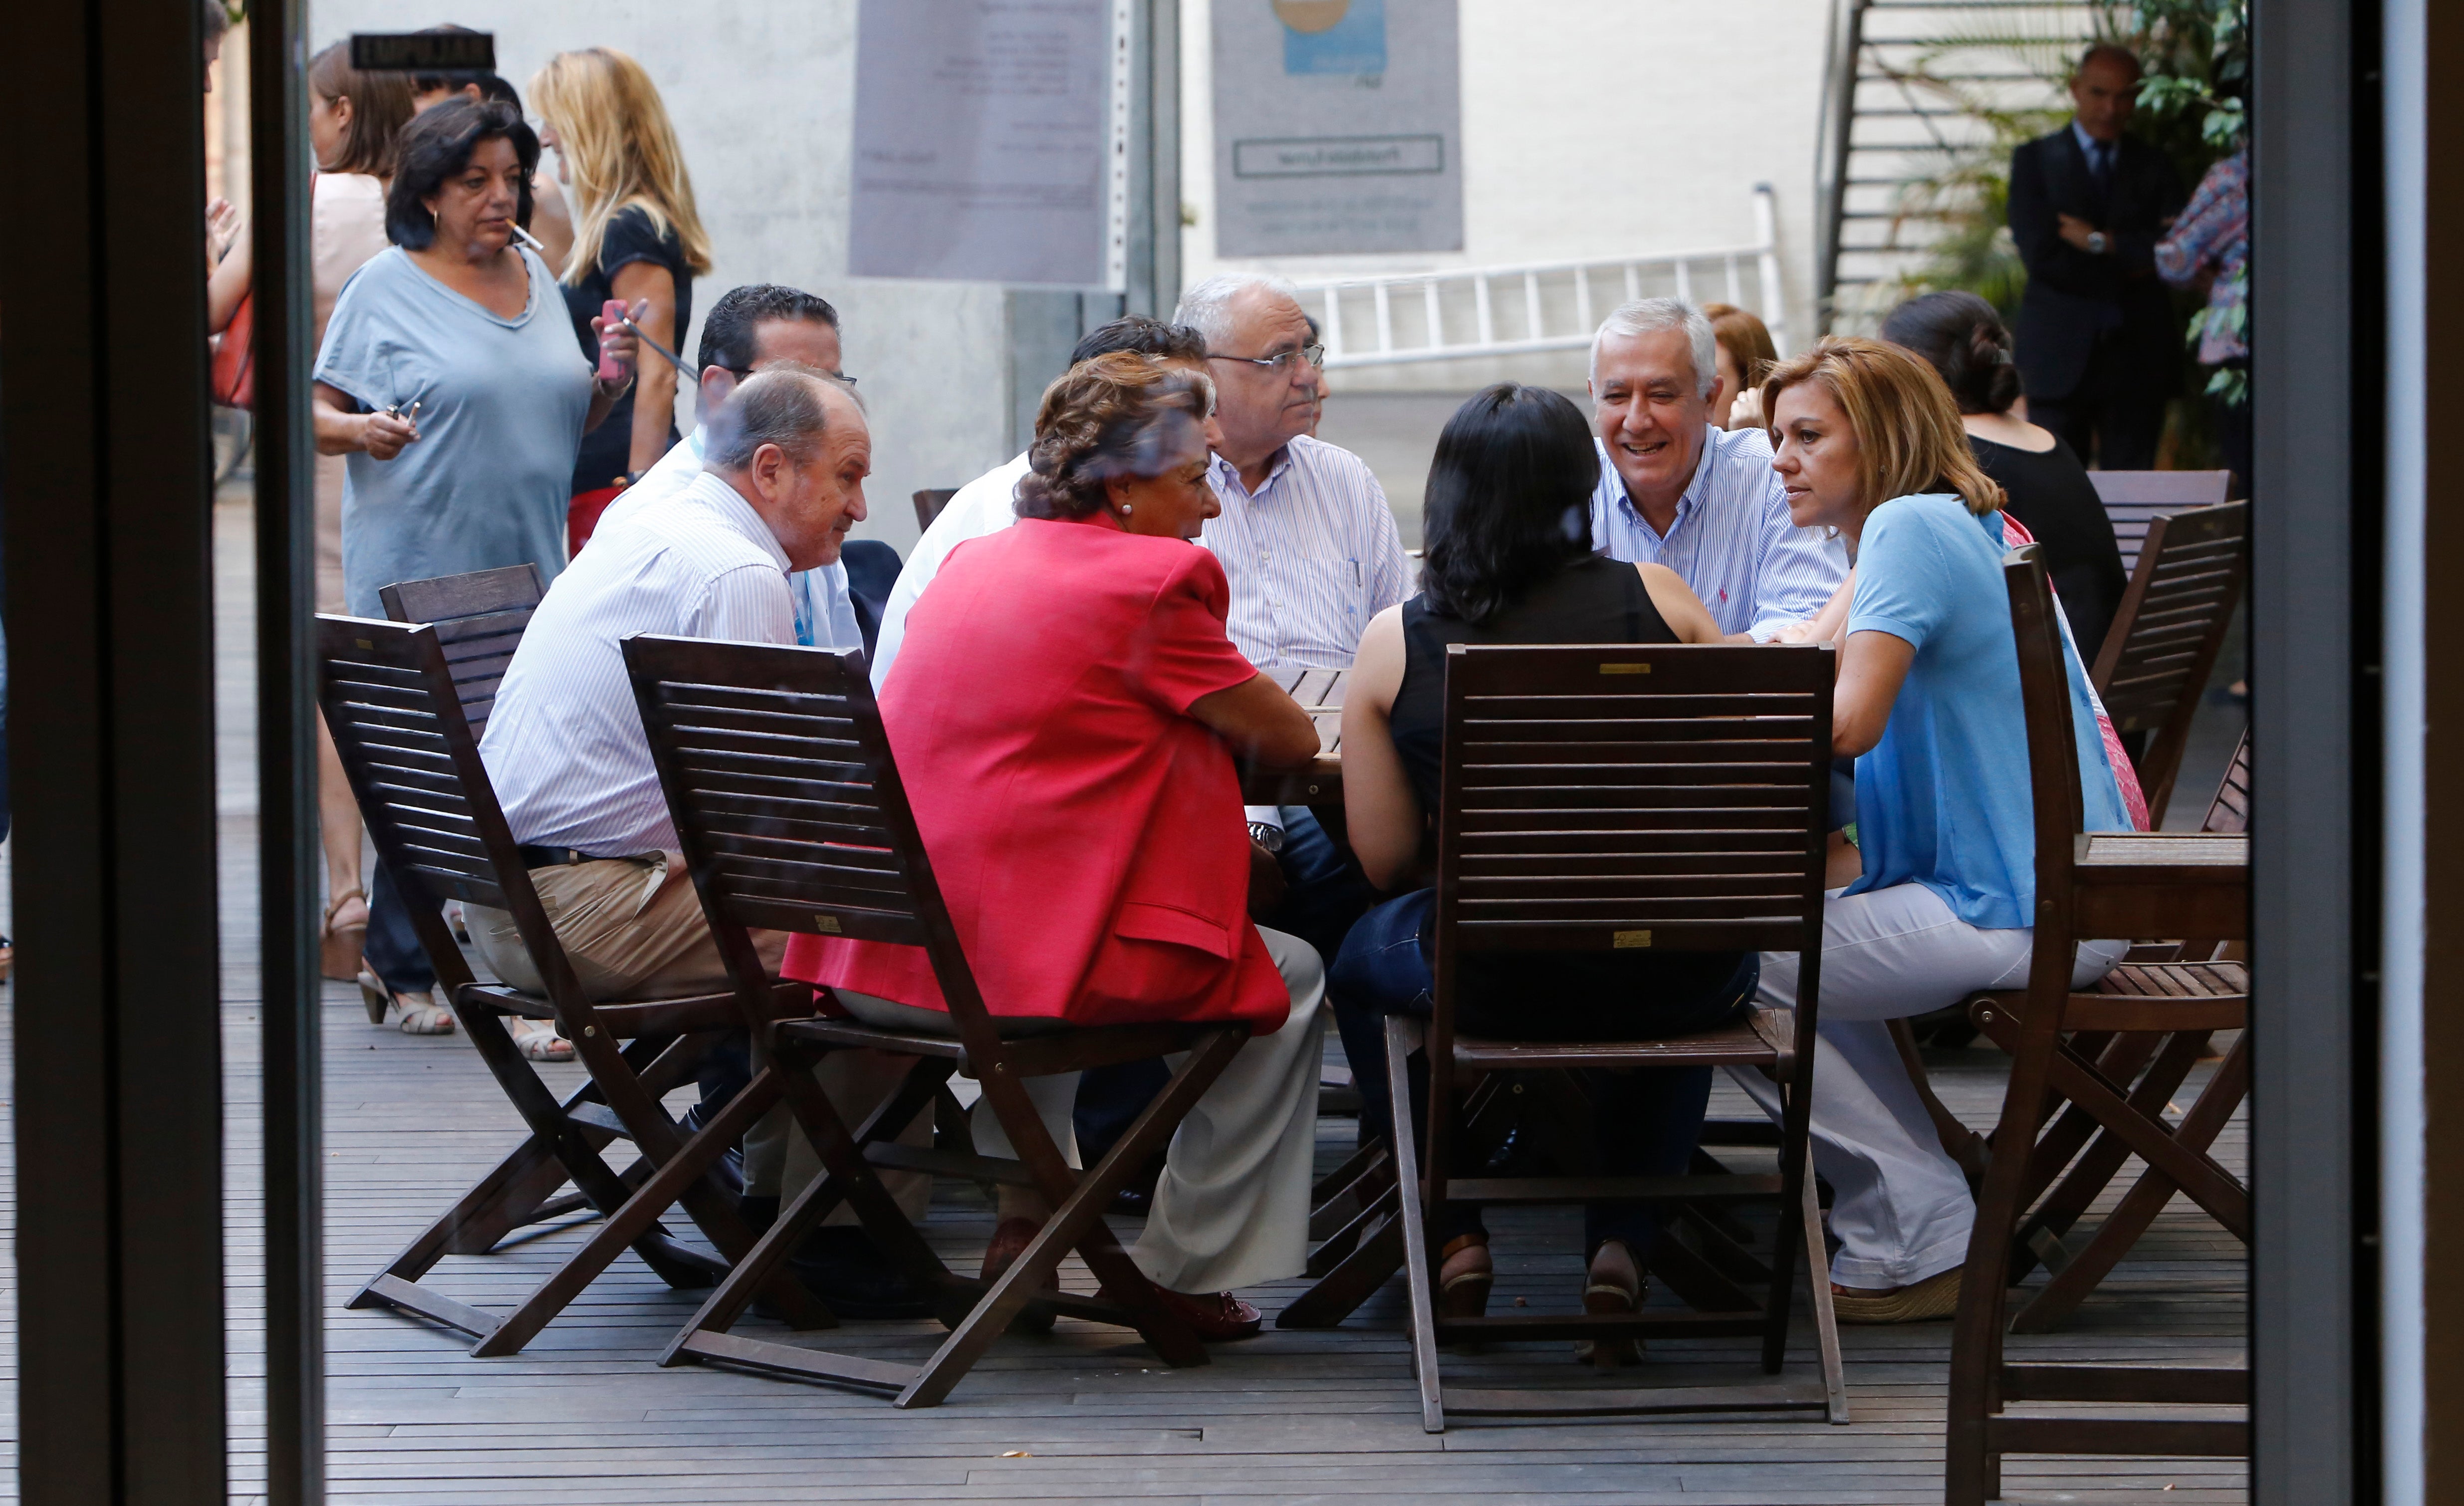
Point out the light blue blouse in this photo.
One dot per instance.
(501, 406)
(1944, 799)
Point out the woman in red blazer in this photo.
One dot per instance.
(1066, 713)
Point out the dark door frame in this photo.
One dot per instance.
(117, 1012)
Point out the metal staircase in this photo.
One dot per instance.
(1917, 91)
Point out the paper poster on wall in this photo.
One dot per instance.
(984, 132)
(1338, 127)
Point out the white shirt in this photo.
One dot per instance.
(1732, 541)
(825, 613)
(565, 745)
(1311, 555)
(984, 505)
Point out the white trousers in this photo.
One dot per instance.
(1901, 1207)
(1232, 1208)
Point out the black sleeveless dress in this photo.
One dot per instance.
(1564, 995)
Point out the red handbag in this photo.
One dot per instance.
(235, 368)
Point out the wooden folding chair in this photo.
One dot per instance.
(2133, 499)
(2094, 885)
(930, 501)
(1597, 799)
(479, 619)
(790, 811)
(413, 764)
(2166, 636)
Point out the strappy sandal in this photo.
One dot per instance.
(426, 1019)
(1464, 1276)
(1605, 1295)
(374, 996)
(543, 1044)
(1935, 1296)
(341, 960)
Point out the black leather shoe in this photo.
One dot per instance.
(844, 1268)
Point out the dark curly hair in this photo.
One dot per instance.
(1508, 499)
(436, 145)
(1105, 418)
(1960, 336)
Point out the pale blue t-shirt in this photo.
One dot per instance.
(501, 406)
(1944, 799)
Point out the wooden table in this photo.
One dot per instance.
(1321, 784)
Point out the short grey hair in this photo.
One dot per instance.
(1207, 307)
(787, 405)
(1650, 316)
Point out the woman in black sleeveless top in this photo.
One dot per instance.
(1508, 528)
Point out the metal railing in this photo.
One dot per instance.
(1551, 305)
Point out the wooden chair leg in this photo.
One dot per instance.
(1077, 1221)
(1971, 1467)
(1817, 1279)
(2139, 1207)
(1403, 1036)
(627, 1225)
(2040, 1235)
(1354, 1277)
(1962, 1144)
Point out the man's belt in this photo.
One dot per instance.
(554, 856)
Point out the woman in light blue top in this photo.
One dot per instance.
(1867, 441)
(450, 380)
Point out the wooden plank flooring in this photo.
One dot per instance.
(583, 1416)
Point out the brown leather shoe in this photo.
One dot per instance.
(1464, 1276)
(1216, 1316)
(1010, 1239)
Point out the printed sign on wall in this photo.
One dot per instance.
(983, 133)
(1338, 127)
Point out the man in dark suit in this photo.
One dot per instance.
(2099, 348)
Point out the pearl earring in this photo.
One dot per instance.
(1125, 509)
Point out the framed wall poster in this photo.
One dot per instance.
(1338, 127)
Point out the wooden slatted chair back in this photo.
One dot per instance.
(1624, 796)
(930, 501)
(788, 805)
(2229, 811)
(412, 759)
(479, 619)
(2166, 633)
(2044, 692)
(2134, 499)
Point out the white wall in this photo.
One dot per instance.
(1590, 127)
(762, 95)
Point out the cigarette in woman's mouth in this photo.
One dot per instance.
(529, 239)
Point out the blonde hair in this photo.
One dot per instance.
(1908, 435)
(621, 152)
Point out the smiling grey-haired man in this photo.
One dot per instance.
(1676, 491)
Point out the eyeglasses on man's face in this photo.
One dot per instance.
(741, 373)
(1281, 363)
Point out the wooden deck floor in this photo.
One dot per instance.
(582, 1417)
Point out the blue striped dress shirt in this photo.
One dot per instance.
(1733, 541)
(1313, 554)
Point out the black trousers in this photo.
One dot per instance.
(2113, 418)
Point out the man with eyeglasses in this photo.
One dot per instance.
(1308, 542)
(750, 329)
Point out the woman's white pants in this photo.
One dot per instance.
(1901, 1207)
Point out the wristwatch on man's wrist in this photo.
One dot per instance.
(2097, 243)
(1267, 835)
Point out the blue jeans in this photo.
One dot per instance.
(1645, 1123)
(392, 947)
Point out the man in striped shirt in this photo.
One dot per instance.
(1675, 491)
(1308, 542)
